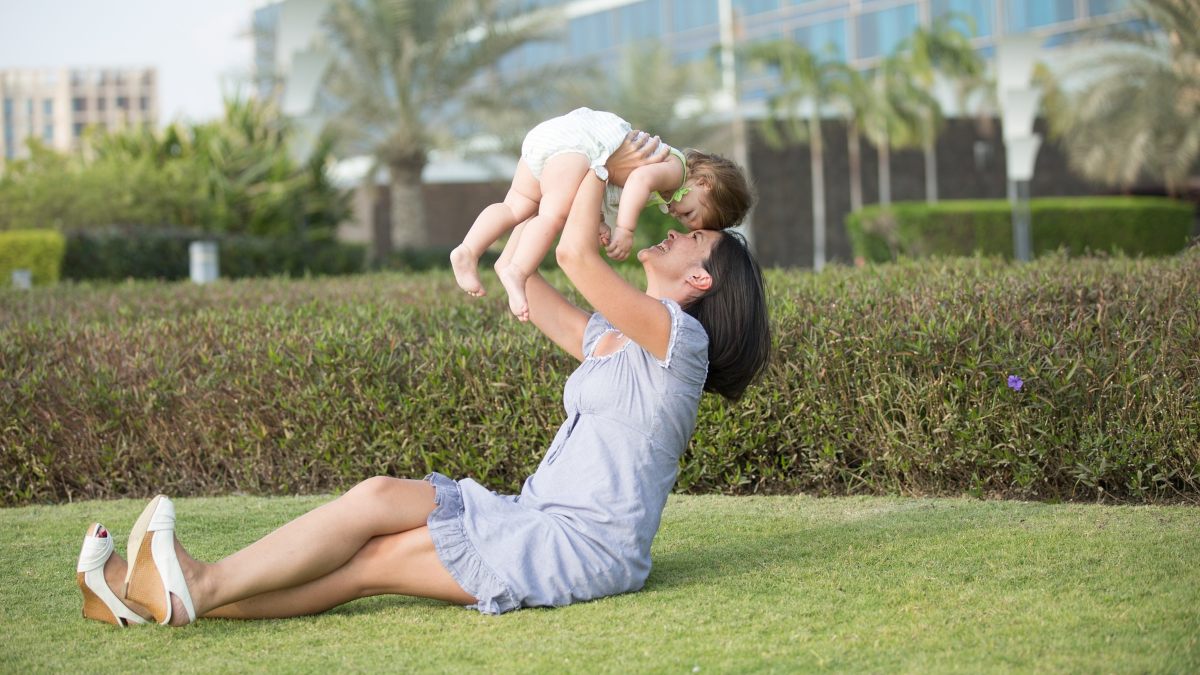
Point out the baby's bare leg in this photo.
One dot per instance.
(560, 181)
(520, 203)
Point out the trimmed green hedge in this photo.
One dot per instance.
(1132, 225)
(154, 253)
(885, 379)
(39, 251)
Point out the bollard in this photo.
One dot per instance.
(203, 258)
(22, 279)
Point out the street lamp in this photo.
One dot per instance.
(1018, 109)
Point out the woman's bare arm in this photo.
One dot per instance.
(640, 317)
(552, 313)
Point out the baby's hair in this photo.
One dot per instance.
(729, 193)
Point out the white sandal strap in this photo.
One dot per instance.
(94, 554)
(162, 548)
(92, 557)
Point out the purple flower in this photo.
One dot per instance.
(1015, 383)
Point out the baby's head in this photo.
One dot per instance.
(719, 196)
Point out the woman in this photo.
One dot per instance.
(581, 527)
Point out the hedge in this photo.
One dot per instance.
(1132, 225)
(39, 251)
(886, 379)
(119, 253)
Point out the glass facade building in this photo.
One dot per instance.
(860, 32)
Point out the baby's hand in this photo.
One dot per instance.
(622, 242)
(605, 235)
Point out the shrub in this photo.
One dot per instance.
(884, 380)
(39, 251)
(119, 253)
(1135, 226)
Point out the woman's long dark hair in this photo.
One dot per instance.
(734, 312)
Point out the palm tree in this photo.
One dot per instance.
(941, 50)
(803, 78)
(410, 76)
(1139, 111)
(895, 116)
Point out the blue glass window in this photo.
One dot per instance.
(48, 133)
(1098, 7)
(756, 6)
(1026, 14)
(8, 108)
(880, 32)
(827, 40)
(591, 33)
(980, 11)
(689, 14)
(640, 20)
(48, 107)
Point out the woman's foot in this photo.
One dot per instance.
(513, 281)
(465, 265)
(157, 579)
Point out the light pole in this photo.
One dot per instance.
(1018, 108)
(731, 97)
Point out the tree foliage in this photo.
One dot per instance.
(1138, 112)
(233, 175)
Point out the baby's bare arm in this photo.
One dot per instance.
(663, 177)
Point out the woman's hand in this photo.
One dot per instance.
(639, 149)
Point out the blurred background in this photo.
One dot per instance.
(322, 136)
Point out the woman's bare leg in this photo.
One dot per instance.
(310, 546)
(520, 203)
(404, 563)
(560, 181)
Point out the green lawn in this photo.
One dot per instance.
(739, 584)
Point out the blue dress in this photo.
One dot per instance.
(582, 526)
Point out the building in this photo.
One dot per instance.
(860, 32)
(56, 106)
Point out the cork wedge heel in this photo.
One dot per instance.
(154, 571)
(99, 602)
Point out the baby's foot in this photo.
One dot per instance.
(464, 264)
(514, 283)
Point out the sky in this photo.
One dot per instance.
(200, 48)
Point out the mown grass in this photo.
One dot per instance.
(795, 584)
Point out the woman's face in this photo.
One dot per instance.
(678, 256)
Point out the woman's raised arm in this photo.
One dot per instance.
(553, 314)
(640, 317)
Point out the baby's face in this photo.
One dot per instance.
(692, 211)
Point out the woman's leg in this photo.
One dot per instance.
(560, 181)
(520, 203)
(404, 563)
(311, 546)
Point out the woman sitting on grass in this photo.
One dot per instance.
(582, 525)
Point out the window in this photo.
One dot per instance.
(756, 6)
(101, 104)
(827, 40)
(122, 103)
(1026, 14)
(79, 104)
(591, 33)
(979, 11)
(8, 110)
(48, 133)
(689, 14)
(879, 33)
(1098, 7)
(640, 20)
(48, 107)
(143, 104)
(78, 129)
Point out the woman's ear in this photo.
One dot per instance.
(699, 279)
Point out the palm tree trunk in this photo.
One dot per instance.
(854, 154)
(817, 160)
(408, 206)
(931, 182)
(885, 172)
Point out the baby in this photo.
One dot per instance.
(701, 191)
